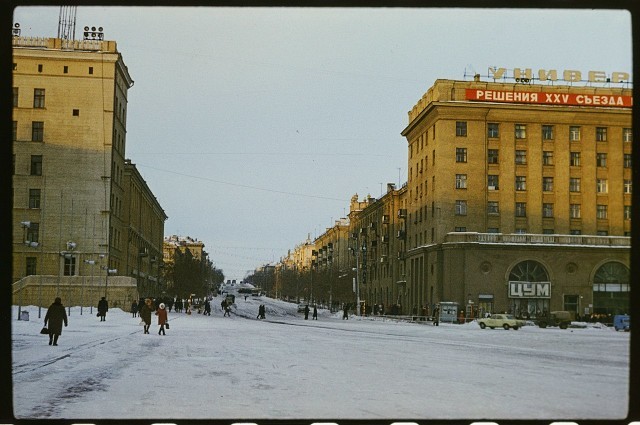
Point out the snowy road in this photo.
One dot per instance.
(286, 367)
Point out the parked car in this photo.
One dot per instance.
(505, 321)
(622, 322)
(562, 319)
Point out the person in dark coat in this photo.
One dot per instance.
(161, 312)
(306, 312)
(315, 313)
(54, 318)
(103, 307)
(134, 308)
(145, 314)
(207, 308)
(345, 313)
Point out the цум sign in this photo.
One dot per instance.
(529, 289)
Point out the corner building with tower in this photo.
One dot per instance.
(518, 199)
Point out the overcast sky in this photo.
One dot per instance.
(254, 126)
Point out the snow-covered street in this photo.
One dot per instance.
(215, 367)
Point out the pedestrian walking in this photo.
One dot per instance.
(207, 308)
(436, 315)
(306, 312)
(145, 314)
(345, 313)
(134, 309)
(315, 313)
(161, 312)
(103, 307)
(54, 319)
(227, 309)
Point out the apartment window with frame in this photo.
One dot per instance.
(492, 156)
(493, 181)
(627, 212)
(461, 128)
(574, 159)
(34, 198)
(521, 209)
(574, 211)
(521, 183)
(493, 130)
(36, 165)
(461, 207)
(521, 157)
(461, 154)
(33, 232)
(574, 133)
(493, 230)
(602, 233)
(627, 135)
(547, 184)
(547, 158)
(493, 208)
(547, 210)
(70, 266)
(627, 160)
(32, 264)
(37, 131)
(547, 132)
(461, 229)
(38, 98)
(521, 131)
(520, 231)
(548, 231)
(602, 211)
(627, 186)
(601, 159)
(601, 134)
(601, 185)
(15, 97)
(461, 181)
(574, 184)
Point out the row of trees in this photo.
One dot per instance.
(189, 275)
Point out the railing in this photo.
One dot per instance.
(533, 239)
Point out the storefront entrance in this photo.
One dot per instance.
(529, 290)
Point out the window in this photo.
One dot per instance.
(70, 266)
(627, 160)
(36, 165)
(602, 233)
(38, 98)
(493, 208)
(574, 210)
(601, 159)
(34, 198)
(547, 158)
(574, 184)
(547, 132)
(15, 131)
(493, 230)
(627, 212)
(574, 133)
(575, 232)
(601, 211)
(601, 134)
(31, 266)
(521, 209)
(627, 135)
(39, 67)
(461, 154)
(493, 156)
(547, 184)
(461, 229)
(547, 231)
(575, 159)
(492, 130)
(90, 70)
(461, 128)
(521, 183)
(521, 131)
(37, 131)
(521, 231)
(76, 112)
(601, 185)
(433, 157)
(547, 210)
(521, 157)
(15, 97)
(65, 69)
(461, 181)
(32, 232)
(627, 186)
(493, 182)
(461, 207)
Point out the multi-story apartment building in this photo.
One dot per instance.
(77, 201)
(519, 197)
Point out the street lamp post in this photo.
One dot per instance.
(92, 263)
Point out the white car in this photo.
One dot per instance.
(505, 321)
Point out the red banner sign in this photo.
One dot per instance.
(545, 98)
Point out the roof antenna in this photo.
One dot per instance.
(67, 23)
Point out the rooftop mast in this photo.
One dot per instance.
(67, 23)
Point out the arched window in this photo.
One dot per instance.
(529, 289)
(611, 289)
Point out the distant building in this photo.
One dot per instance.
(74, 191)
